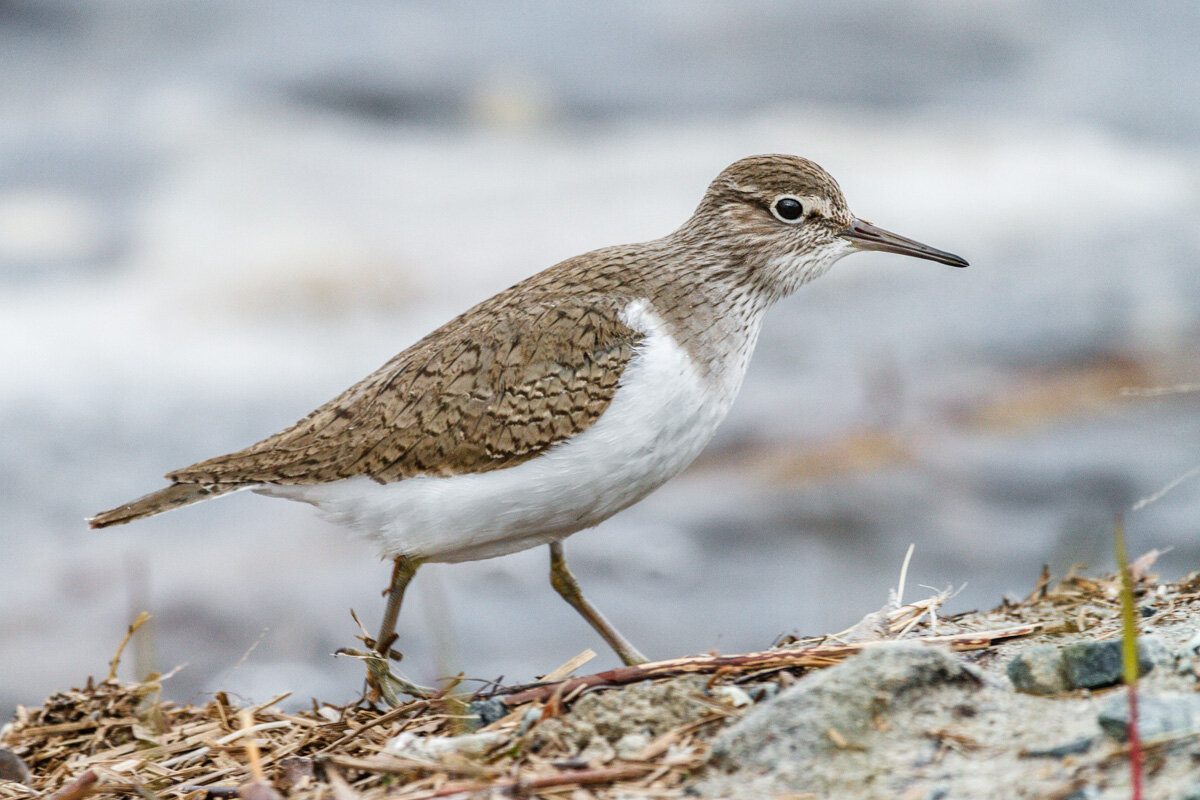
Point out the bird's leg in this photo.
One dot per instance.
(403, 571)
(565, 584)
(380, 679)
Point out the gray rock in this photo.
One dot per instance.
(843, 706)
(487, 711)
(1048, 669)
(1039, 670)
(1158, 714)
(1094, 665)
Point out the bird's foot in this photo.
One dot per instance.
(382, 683)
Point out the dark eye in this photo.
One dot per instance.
(787, 209)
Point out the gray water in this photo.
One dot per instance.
(214, 216)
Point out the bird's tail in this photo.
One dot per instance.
(174, 496)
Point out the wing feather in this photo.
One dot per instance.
(487, 391)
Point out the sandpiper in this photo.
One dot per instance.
(560, 401)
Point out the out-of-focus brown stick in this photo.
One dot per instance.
(79, 788)
(521, 786)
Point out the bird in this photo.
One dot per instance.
(562, 400)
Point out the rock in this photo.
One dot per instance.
(1096, 664)
(1158, 714)
(1039, 670)
(773, 748)
(1047, 669)
(487, 711)
(649, 708)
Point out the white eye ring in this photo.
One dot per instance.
(788, 208)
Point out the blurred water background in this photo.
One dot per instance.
(215, 215)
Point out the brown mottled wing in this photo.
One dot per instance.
(488, 390)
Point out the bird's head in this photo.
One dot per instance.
(784, 220)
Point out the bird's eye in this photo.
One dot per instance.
(787, 209)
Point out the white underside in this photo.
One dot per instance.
(662, 415)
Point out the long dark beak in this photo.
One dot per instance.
(866, 236)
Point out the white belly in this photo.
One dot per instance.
(662, 415)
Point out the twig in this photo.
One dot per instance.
(521, 786)
(395, 764)
(116, 659)
(79, 788)
(341, 789)
(144, 793)
(1154, 498)
(381, 719)
(226, 739)
(566, 669)
(251, 745)
(904, 573)
(211, 791)
(811, 656)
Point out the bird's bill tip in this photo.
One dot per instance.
(865, 236)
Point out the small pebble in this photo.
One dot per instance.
(1096, 664)
(1039, 670)
(487, 711)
